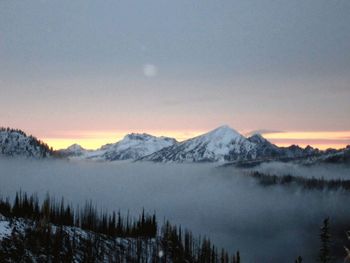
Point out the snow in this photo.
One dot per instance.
(225, 144)
(146, 143)
(73, 151)
(110, 245)
(222, 144)
(220, 140)
(17, 143)
(75, 148)
(5, 229)
(217, 145)
(132, 147)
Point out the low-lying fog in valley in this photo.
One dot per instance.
(267, 224)
(320, 171)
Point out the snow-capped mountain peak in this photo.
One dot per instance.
(220, 144)
(220, 141)
(224, 134)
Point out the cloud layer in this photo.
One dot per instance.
(218, 202)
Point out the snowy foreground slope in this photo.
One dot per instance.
(25, 240)
(21, 241)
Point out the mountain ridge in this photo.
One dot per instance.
(222, 144)
(15, 142)
(133, 146)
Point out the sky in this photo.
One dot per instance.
(91, 71)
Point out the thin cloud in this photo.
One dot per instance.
(263, 131)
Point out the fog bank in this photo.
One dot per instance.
(274, 224)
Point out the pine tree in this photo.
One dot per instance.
(325, 255)
(299, 259)
(238, 257)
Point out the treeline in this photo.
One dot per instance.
(86, 218)
(10, 130)
(55, 232)
(306, 183)
(181, 246)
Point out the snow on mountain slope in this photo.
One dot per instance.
(132, 147)
(5, 228)
(226, 145)
(221, 144)
(17, 143)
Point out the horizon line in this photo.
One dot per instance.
(91, 140)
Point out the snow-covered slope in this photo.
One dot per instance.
(221, 144)
(224, 144)
(17, 143)
(132, 147)
(21, 240)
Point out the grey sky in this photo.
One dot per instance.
(253, 64)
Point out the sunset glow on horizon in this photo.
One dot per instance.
(319, 139)
(95, 139)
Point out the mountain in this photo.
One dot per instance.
(17, 143)
(132, 147)
(219, 145)
(224, 144)
(73, 150)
